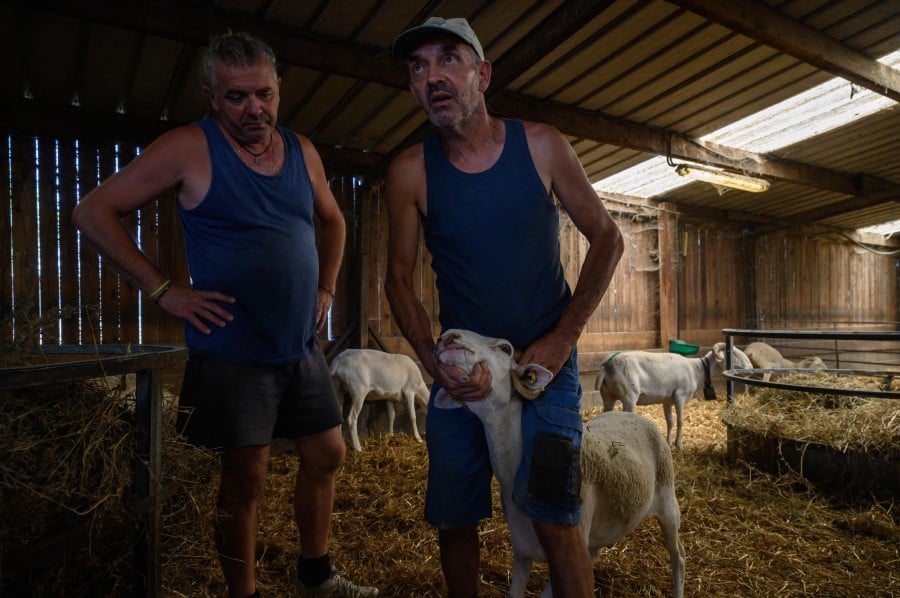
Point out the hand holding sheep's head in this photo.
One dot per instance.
(463, 349)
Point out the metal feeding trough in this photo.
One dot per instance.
(682, 347)
(820, 463)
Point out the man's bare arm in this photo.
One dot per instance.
(408, 311)
(168, 163)
(557, 160)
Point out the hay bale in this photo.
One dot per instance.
(846, 423)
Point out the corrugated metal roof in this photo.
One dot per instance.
(621, 79)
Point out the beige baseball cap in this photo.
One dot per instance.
(410, 39)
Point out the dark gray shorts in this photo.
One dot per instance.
(226, 405)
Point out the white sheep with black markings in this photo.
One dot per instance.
(647, 378)
(627, 470)
(764, 356)
(369, 374)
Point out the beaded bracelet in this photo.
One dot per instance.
(161, 290)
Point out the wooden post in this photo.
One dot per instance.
(147, 580)
(668, 273)
(362, 203)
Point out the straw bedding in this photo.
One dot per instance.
(745, 533)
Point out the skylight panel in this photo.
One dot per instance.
(825, 107)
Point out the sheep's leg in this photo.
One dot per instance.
(353, 417)
(669, 525)
(411, 407)
(392, 414)
(608, 404)
(521, 571)
(667, 411)
(679, 415)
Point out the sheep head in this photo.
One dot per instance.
(813, 362)
(740, 359)
(464, 348)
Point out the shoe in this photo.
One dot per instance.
(336, 586)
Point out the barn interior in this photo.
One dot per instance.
(799, 94)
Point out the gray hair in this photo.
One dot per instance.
(234, 49)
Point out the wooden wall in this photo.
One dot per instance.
(47, 273)
(680, 277)
(809, 279)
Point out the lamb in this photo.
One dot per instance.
(378, 376)
(627, 470)
(764, 357)
(645, 378)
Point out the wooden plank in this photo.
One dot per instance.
(89, 260)
(128, 298)
(46, 223)
(24, 229)
(668, 272)
(361, 263)
(109, 278)
(376, 260)
(618, 341)
(68, 240)
(6, 296)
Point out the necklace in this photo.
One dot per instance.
(257, 157)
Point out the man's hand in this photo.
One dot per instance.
(551, 351)
(324, 299)
(197, 307)
(462, 386)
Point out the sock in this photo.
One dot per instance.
(314, 572)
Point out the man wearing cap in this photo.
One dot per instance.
(484, 188)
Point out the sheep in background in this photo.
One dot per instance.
(646, 378)
(378, 376)
(765, 357)
(627, 470)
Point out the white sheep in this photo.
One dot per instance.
(378, 376)
(646, 378)
(627, 470)
(764, 357)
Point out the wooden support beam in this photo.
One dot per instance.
(606, 129)
(669, 258)
(836, 209)
(763, 23)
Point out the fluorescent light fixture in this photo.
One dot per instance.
(722, 178)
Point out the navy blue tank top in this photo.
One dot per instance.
(253, 237)
(494, 242)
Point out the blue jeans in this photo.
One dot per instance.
(548, 481)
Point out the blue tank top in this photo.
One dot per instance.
(253, 237)
(494, 243)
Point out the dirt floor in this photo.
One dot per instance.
(746, 533)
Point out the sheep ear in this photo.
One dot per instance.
(442, 400)
(741, 361)
(531, 379)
